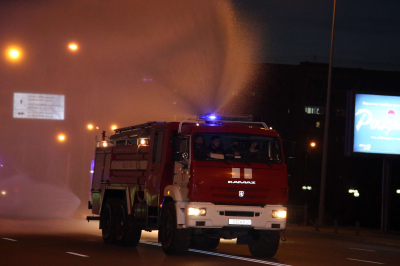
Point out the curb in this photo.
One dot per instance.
(382, 240)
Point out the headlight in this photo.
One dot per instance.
(196, 212)
(278, 214)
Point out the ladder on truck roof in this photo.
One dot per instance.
(144, 125)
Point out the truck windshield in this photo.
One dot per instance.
(237, 147)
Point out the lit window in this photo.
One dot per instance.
(318, 124)
(314, 110)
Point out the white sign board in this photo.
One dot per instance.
(39, 106)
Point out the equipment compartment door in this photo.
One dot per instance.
(98, 170)
(156, 167)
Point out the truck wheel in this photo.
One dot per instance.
(127, 233)
(108, 222)
(202, 242)
(174, 241)
(264, 244)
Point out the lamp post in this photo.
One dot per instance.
(326, 129)
(62, 138)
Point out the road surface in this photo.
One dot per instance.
(76, 242)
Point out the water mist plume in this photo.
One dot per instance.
(24, 198)
(164, 57)
(136, 61)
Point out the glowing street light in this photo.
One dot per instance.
(113, 127)
(354, 192)
(398, 191)
(13, 54)
(313, 144)
(90, 126)
(61, 137)
(3, 193)
(73, 47)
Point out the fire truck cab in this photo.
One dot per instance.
(195, 182)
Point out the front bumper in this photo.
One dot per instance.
(218, 216)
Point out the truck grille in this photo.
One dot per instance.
(237, 213)
(220, 194)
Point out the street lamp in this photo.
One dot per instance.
(354, 192)
(114, 127)
(13, 54)
(398, 191)
(90, 126)
(73, 47)
(313, 144)
(61, 137)
(321, 208)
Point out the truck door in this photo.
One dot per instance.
(182, 167)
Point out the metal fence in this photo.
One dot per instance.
(297, 215)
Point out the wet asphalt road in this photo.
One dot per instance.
(76, 242)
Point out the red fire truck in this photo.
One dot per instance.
(195, 182)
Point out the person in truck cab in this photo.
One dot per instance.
(253, 151)
(235, 149)
(216, 145)
(200, 150)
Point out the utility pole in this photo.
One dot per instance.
(326, 129)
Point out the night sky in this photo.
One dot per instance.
(367, 32)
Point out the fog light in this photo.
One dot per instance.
(196, 212)
(278, 214)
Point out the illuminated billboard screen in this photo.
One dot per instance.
(39, 106)
(376, 124)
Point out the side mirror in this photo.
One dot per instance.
(289, 151)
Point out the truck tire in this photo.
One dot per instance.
(174, 241)
(203, 242)
(107, 218)
(127, 233)
(264, 244)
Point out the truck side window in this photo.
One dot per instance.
(157, 149)
(274, 151)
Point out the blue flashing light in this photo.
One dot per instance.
(210, 117)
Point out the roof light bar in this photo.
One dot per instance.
(215, 119)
